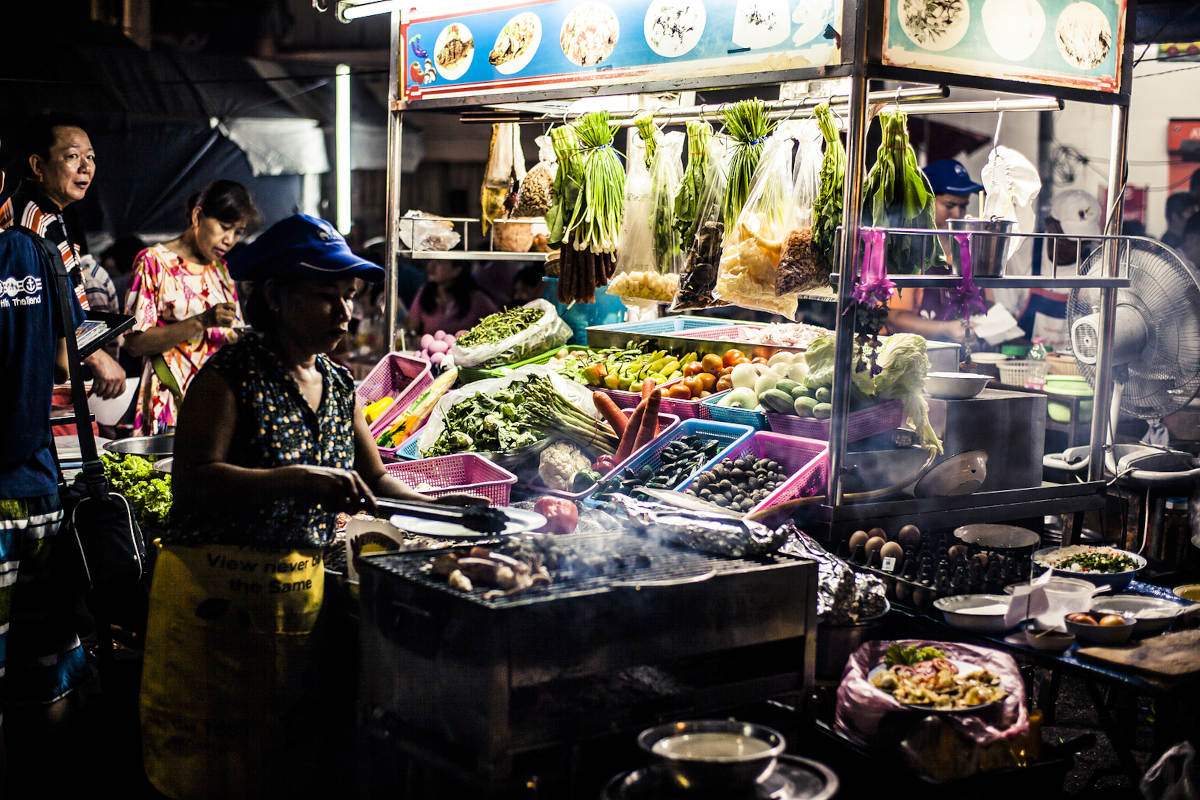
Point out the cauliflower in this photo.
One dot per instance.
(559, 463)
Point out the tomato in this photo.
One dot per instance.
(733, 357)
(712, 363)
(692, 368)
(694, 385)
(724, 383)
(707, 381)
(758, 360)
(1080, 619)
(679, 392)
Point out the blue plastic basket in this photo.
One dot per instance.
(665, 325)
(736, 416)
(408, 451)
(805, 461)
(730, 436)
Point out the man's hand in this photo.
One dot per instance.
(108, 379)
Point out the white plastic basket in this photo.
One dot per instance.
(1022, 373)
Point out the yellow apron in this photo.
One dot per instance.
(229, 649)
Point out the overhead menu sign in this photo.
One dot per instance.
(566, 44)
(1076, 43)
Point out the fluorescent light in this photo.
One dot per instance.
(341, 145)
(361, 10)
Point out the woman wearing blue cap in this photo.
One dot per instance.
(271, 445)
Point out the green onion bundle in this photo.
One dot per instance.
(900, 196)
(595, 222)
(649, 133)
(746, 121)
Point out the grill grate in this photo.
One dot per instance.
(666, 563)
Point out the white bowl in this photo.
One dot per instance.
(974, 612)
(955, 385)
(1151, 614)
(1117, 580)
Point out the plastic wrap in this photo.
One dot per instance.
(649, 257)
(533, 198)
(801, 266)
(506, 163)
(753, 247)
(545, 334)
(698, 275)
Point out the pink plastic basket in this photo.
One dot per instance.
(404, 377)
(461, 473)
(865, 422)
(684, 409)
(666, 424)
(805, 460)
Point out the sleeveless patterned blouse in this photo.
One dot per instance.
(275, 428)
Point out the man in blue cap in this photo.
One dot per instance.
(929, 312)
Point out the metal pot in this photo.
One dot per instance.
(836, 642)
(149, 446)
(989, 241)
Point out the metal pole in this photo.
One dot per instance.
(856, 136)
(391, 226)
(1108, 295)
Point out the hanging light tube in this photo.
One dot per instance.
(341, 146)
(352, 11)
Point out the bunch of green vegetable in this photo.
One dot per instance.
(699, 136)
(595, 221)
(827, 212)
(147, 490)
(520, 415)
(649, 133)
(914, 654)
(900, 196)
(903, 364)
(499, 326)
(568, 182)
(665, 174)
(747, 122)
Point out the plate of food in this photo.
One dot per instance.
(923, 679)
(589, 34)
(1098, 564)
(1083, 35)
(516, 43)
(453, 51)
(673, 27)
(935, 24)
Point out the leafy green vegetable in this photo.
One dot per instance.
(699, 136)
(746, 121)
(820, 360)
(910, 655)
(827, 212)
(900, 196)
(645, 128)
(147, 490)
(594, 223)
(903, 364)
(499, 326)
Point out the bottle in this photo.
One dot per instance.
(1037, 365)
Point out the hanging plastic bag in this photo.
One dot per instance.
(533, 198)
(635, 248)
(505, 169)
(652, 270)
(753, 247)
(546, 333)
(698, 276)
(801, 266)
(421, 231)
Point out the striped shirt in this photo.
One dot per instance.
(32, 209)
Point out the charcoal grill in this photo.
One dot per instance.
(471, 681)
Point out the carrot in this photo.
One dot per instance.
(647, 388)
(649, 422)
(612, 415)
(626, 445)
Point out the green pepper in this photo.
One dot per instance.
(584, 479)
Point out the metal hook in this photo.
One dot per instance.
(316, 4)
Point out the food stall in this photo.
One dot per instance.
(731, 517)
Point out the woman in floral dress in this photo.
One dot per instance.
(184, 302)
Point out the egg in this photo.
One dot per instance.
(892, 550)
(874, 545)
(857, 538)
(909, 536)
(877, 532)
(1113, 620)
(958, 552)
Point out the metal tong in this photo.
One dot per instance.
(482, 519)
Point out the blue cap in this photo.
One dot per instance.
(301, 247)
(947, 176)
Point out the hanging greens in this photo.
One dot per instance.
(827, 212)
(746, 121)
(899, 196)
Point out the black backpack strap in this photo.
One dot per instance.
(61, 289)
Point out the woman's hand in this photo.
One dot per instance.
(335, 489)
(222, 315)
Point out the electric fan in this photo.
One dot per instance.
(1155, 353)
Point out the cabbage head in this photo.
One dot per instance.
(903, 363)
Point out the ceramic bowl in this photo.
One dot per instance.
(1150, 614)
(1188, 591)
(974, 612)
(1047, 639)
(1101, 634)
(715, 755)
(955, 385)
(1117, 580)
